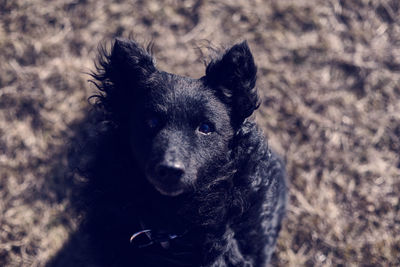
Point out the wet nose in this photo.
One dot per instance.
(170, 172)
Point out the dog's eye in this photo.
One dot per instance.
(153, 122)
(205, 128)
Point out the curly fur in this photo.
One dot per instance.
(230, 210)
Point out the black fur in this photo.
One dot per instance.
(178, 156)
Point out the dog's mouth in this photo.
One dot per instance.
(166, 189)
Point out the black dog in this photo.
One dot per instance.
(179, 175)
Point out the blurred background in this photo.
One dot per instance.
(329, 77)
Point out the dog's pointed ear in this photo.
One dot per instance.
(119, 74)
(128, 60)
(233, 75)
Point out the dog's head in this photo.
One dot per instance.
(178, 128)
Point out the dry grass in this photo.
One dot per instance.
(329, 72)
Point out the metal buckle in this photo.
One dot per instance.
(147, 232)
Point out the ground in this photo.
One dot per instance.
(329, 76)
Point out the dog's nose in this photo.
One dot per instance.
(171, 172)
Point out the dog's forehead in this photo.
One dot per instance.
(174, 91)
(181, 85)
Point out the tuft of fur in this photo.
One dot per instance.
(232, 193)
